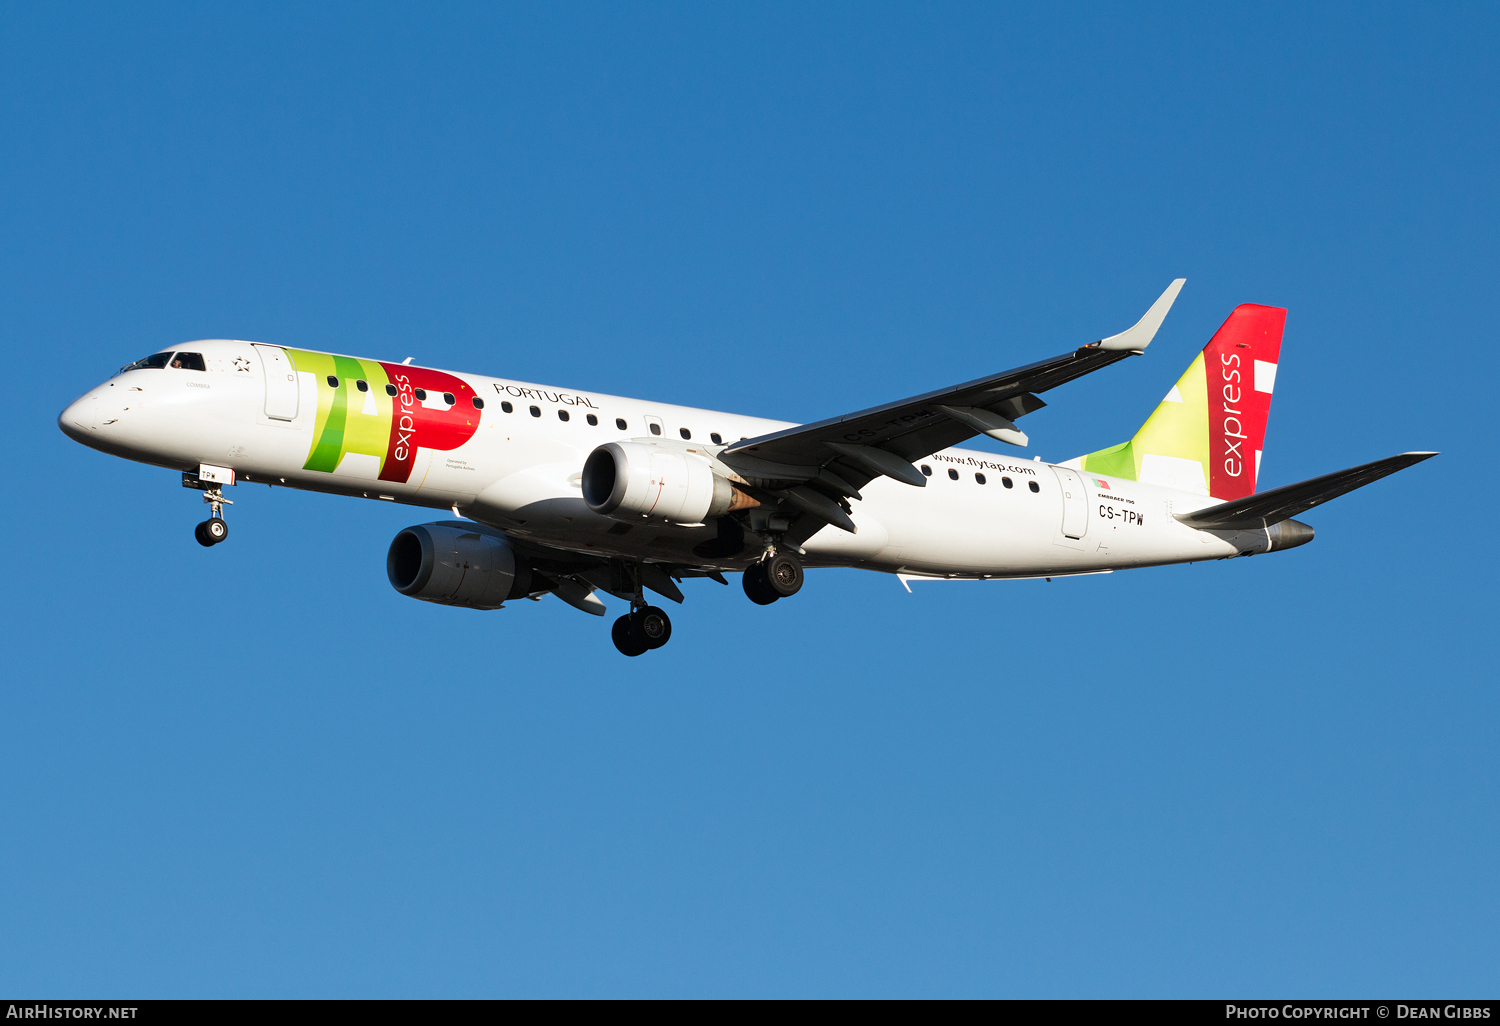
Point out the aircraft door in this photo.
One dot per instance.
(654, 425)
(1075, 521)
(281, 383)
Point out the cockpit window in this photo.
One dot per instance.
(156, 361)
(188, 361)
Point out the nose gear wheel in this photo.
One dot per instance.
(214, 529)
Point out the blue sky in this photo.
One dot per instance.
(258, 771)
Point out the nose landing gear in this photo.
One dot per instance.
(214, 529)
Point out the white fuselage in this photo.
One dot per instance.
(520, 472)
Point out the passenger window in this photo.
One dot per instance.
(156, 361)
(478, 403)
(684, 432)
(189, 361)
(333, 381)
(926, 470)
(593, 420)
(421, 395)
(562, 414)
(362, 384)
(620, 423)
(1033, 486)
(507, 407)
(952, 474)
(390, 389)
(535, 412)
(715, 438)
(448, 398)
(979, 478)
(656, 429)
(1007, 482)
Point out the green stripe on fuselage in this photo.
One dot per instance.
(343, 426)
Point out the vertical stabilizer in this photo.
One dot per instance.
(1208, 433)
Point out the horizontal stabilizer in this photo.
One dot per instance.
(1278, 504)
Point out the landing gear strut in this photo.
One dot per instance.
(643, 628)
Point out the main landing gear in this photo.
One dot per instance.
(644, 627)
(778, 576)
(639, 631)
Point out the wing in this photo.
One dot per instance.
(841, 454)
(1278, 504)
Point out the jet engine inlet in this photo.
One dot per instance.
(455, 566)
(632, 480)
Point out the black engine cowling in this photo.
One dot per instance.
(456, 564)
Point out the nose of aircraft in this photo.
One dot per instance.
(77, 421)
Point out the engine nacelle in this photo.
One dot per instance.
(632, 480)
(456, 565)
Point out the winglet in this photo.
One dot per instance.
(1139, 337)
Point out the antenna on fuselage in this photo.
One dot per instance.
(406, 361)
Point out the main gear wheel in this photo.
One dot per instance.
(638, 632)
(625, 638)
(757, 586)
(784, 574)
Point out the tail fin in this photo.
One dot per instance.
(1208, 433)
